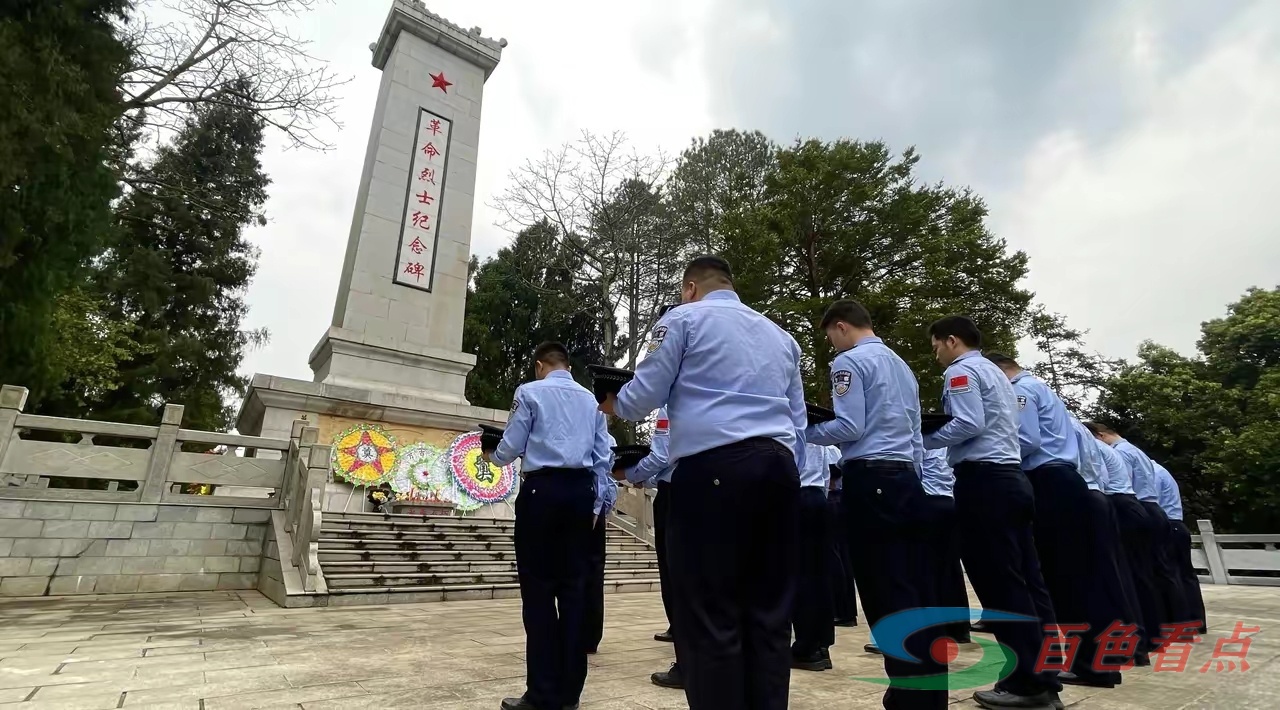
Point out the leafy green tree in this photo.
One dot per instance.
(1212, 420)
(715, 180)
(1076, 375)
(59, 62)
(846, 219)
(180, 267)
(522, 296)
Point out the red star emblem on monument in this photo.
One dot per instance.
(438, 82)
(366, 452)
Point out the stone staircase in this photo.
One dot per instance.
(375, 558)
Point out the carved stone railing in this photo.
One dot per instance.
(634, 512)
(149, 465)
(1236, 559)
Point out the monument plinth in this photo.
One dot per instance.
(393, 352)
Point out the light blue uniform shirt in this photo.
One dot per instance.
(984, 408)
(1092, 468)
(937, 478)
(606, 487)
(555, 423)
(1119, 479)
(655, 467)
(817, 465)
(1045, 434)
(1143, 469)
(725, 373)
(877, 403)
(1170, 496)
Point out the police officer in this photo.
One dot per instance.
(812, 614)
(1097, 464)
(593, 623)
(877, 427)
(939, 483)
(563, 440)
(655, 470)
(1180, 547)
(995, 506)
(731, 381)
(844, 591)
(1137, 529)
(1075, 555)
(1179, 611)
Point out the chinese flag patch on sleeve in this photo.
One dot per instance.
(663, 425)
(958, 382)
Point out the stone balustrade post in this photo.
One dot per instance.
(162, 451)
(12, 401)
(1212, 553)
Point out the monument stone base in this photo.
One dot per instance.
(353, 360)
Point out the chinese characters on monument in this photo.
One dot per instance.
(415, 262)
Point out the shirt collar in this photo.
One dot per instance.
(868, 339)
(967, 355)
(1020, 375)
(723, 294)
(561, 374)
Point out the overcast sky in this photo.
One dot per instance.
(1129, 147)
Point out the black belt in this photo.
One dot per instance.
(882, 464)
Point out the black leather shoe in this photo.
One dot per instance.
(519, 703)
(963, 639)
(664, 637)
(670, 678)
(1101, 681)
(872, 648)
(816, 661)
(575, 706)
(847, 623)
(1142, 660)
(999, 699)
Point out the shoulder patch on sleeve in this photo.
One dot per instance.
(664, 426)
(515, 404)
(841, 380)
(958, 384)
(656, 338)
(1022, 401)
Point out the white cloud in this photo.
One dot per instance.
(1175, 218)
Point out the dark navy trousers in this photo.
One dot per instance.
(731, 544)
(553, 544)
(812, 616)
(995, 506)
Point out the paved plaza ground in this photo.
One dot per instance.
(212, 651)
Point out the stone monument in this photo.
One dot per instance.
(393, 352)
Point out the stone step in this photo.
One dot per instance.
(415, 594)
(412, 546)
(398, 579)
(333, 554)
(393, 567)
(421, 520)
(429, 532)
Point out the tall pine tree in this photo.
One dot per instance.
(59, 145)
(181, 265)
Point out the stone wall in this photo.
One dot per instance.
(61, 548)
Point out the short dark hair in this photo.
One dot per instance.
(1003, 360)
(1099, 428)
(552, 353)
(960, 326)
(706, 267)
(848, 311)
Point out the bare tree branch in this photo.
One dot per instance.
(209, 47)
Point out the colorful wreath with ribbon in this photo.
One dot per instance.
(364, 455)
(414, 465)
(480, 479)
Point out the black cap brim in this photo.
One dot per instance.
(608, 380)
(818, 414)
(929, 423)
(628, 456)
